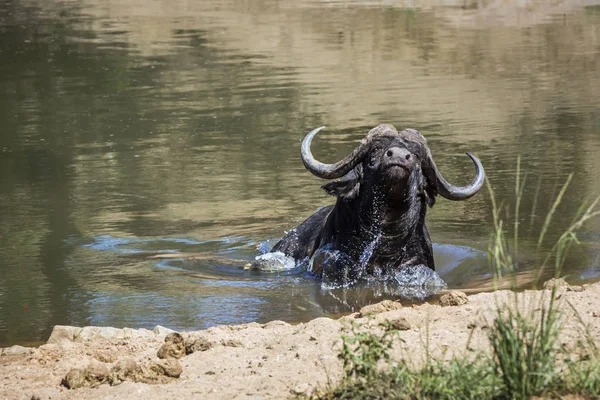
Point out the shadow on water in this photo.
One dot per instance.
(133, 132)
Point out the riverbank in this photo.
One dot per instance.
(273, 360)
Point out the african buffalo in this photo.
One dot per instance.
(377, 224)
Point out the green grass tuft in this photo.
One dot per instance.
(369, 373)
(525, 348)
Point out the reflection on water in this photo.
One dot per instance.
(135, 131)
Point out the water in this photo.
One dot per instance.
(134, 132)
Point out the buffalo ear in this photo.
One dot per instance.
(347, 187)
(425, 189)
(429, 196)
(430, 182)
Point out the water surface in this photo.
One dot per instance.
(132, 130)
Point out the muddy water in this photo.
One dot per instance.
(133, 131)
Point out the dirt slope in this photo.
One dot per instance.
(274, 360)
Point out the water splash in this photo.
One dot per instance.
(419, 275)
(335, 267)
(411, 283)
(339, 271)
(264, 247)
(418, 282)
(367, 253)
(276, 261)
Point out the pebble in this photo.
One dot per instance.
(454, 298)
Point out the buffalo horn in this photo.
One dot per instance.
(331, 171)
(452, 192)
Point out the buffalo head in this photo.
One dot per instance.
(397, 164)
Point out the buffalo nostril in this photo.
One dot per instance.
(389, 153)
(407, 157)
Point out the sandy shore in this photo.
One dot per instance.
(273, 360)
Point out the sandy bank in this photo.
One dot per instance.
(273, 360)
